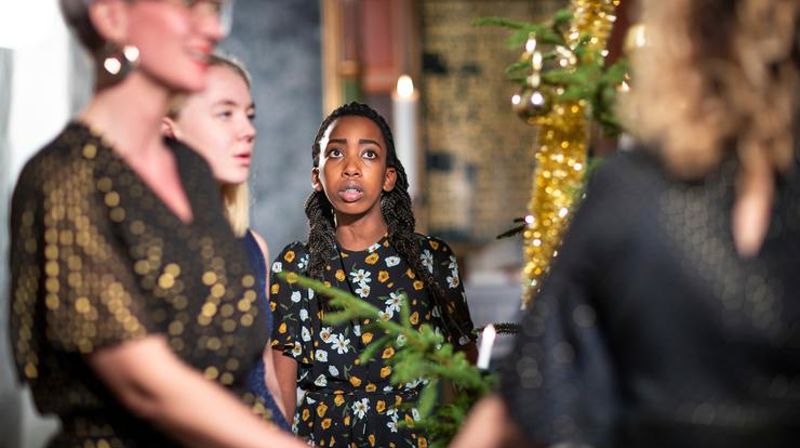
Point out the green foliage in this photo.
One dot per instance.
(419, 354)
(588, 80)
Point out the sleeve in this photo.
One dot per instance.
(290, 305)
(445, 271)
(560, 383)
(71, 283)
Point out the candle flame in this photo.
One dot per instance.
(405, 86)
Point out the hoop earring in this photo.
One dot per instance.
(118, 62)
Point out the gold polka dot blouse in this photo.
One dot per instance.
(97, 259)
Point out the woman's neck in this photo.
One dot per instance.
(129, 115)
(360, 233)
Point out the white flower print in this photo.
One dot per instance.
(401, 340)
(357, 330)
(363, 290)
(394, 301)
(361, 277)
(302, 262)
(297, 350)
(339, 343)
(361, 407)
(427, 260)
(392, 424)
(321, 381)
(453, 264)
(453, 281)
(277, 267)
(303, 314)
(436, 312)
(333, 371)
(325, 334)
(305, 334)
(310, 293)
(415, 414)
(392, 261)
(296, 296)
(385, 315)
(321, 356)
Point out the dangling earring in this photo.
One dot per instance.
(118, 62)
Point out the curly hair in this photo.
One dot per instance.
(718, 76)
(395, 206)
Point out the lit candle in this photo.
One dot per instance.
(404, 108)
(485, 351)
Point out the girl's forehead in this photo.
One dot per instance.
(354, 124)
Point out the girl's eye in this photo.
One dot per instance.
(225, 114)
(251, 116)
(334, 153)
(370, 154)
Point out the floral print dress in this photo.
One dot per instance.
(346, 403)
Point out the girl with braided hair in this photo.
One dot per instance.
(361, 239)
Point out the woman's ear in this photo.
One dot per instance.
(390, 179)
(110, 20)
(315, 182)
(170, 128)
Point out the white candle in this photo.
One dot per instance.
(404, 109)
(485, 351)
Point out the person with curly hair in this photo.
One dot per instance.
(670, 318)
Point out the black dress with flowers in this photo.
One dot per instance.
(346, 403)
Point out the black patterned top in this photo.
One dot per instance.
(98, 259)
(652, 331)
(346, 402)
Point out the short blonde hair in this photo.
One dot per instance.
(716, 76)
(235, 197)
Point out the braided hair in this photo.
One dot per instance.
(396, 209)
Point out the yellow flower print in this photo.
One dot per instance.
(273, 306)
(414, 319)
(322, 409)
(371, 387)
(305, 415)
(366, 337)
(383, 276)
(418, 285)
(326, 423)
(434, 244)
(347, 420)
(372, 258)
(386, 371)
(380, 406)
(355, 381)
(409, 421)
(398, 400)
(276, 288)
(338, 400)
(388, 353)
(410, 273)
(340, 275)
(289, 256)
(282, 328)
(422, 442)
(371, 439)
(327, 283)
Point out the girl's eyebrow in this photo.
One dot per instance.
(363, 141)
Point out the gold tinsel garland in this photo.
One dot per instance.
(561, 156)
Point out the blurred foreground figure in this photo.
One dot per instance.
(132, 303)
(672, 315)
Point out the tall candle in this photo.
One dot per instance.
(485, 350)
(404, 109)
